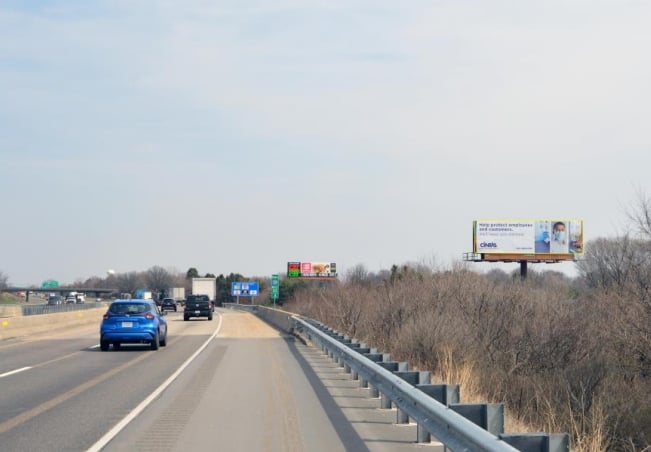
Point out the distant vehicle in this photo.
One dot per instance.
(54, 299)
(178, 293)
(197, 306)
(168, 304)
(76, 297)
(133, 322)
(205, 286)
(144, 294)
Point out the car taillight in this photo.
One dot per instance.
(107, 315)
(149, 316)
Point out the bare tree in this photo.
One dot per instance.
(158, 279)
(4, 280)
(357, 275)
(178, 279)
(128, 282)
(607, 261)
(639, 213)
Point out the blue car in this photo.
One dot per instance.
(133, 322)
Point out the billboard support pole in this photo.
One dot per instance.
(523, 270)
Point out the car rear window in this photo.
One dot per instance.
(129, 308)
(198, 298)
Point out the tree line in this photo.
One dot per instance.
(159, 280)
(563, 354)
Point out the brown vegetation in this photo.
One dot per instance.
(563, 355)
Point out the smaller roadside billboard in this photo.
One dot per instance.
(311, 269)
(244, 289)
(556, 236)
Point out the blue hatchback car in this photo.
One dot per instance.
(133, 322)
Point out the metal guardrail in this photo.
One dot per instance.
(38, 309)
(449, 427)
(444, 422)
(461, 427)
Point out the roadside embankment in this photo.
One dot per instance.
(19, 326)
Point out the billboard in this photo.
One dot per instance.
(311, 270)
(557, 236)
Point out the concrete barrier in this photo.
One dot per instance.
(10, 310)
(20, 326)
(274, 316)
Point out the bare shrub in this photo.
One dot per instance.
(158, 279)
(128, 282)
(560, 359)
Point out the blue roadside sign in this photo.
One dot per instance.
(245, 289)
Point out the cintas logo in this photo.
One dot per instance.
(488, 245)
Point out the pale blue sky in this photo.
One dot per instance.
(234, 136)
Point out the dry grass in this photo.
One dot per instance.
(547, 355)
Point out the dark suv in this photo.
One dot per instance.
(168, 304)
(197, 306)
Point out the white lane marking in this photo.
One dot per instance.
(104, 440)
(94, 346)
(22, 369)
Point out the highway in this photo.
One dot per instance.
(231, 384)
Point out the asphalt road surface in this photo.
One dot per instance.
(231, 384)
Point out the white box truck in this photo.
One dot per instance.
(205, 286)
(178, 293)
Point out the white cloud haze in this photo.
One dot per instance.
(234, 136)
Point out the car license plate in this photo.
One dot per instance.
(127, 324)
(197, 312)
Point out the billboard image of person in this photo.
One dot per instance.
(543, 237)
(559, 242)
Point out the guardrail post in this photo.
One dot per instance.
(489, 416)
(414, 378)
(538, 442)
(346, 341)
(392, 366)
(442, 393)
(385, 401)
(376, 357)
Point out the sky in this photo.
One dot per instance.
(239, 135)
